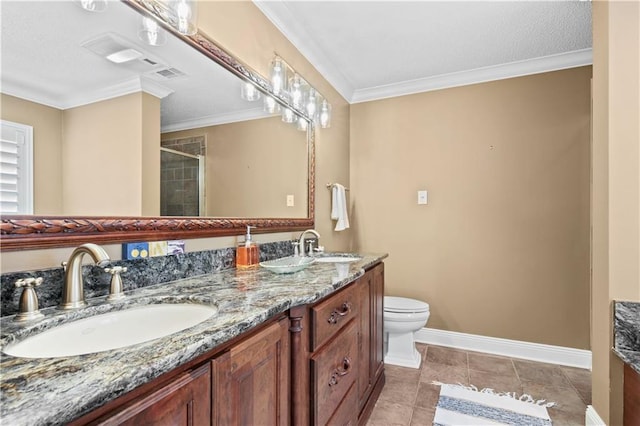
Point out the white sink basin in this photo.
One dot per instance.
(111, 330)
(337, 259)
(288, 265)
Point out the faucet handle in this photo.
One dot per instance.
(116, 291)
(296, 248)
(28, 307)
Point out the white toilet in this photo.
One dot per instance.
(402, 318)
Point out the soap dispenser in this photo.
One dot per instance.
(247, 252)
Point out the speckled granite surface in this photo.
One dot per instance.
(140, 273)
(57, 390)
(627, 333)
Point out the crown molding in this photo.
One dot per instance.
(133, 85)
(279, 14)
(214, 120)
(557, 62)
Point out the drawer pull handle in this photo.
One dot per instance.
(336, 314)
(340, 371)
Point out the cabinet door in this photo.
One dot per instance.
(377, 312)
(364, 339)
(184, 401)
(251, 380)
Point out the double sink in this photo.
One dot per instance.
(127, 327)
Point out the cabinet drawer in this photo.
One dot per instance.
(346, 414)
(332, 315)
(334, 371)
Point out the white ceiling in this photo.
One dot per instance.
(376, 49)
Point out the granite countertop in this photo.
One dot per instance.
(627, 333)
(58, 390)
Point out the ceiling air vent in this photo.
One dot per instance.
(167, 73)
(112, 45)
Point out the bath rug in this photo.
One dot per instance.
(467, 406)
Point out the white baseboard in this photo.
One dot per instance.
(593, 419)
(512, 348)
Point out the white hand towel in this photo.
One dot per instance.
(339, 207)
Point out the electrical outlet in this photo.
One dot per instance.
(290, 201)
(422, 197)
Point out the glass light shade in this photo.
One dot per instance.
(311, 104)
(288, 116)
(302, 124)
(324, 117)
(249, 92)
(278, 75)
(151, 33)
(186, 16)
(93, 5)
(270, 105)
(296, 91)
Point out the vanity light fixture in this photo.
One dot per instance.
(249, 92)
(151, 33)
(325, 114)
(301, 94)
(288, 116)
(278, 76)
(270, 105)
(296, 91)
(185, 14)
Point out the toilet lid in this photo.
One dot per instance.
(404, 304)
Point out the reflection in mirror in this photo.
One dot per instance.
(104, 105)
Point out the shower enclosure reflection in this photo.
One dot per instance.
(181, 183)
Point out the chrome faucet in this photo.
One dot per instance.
(301, 241)
(73, 289)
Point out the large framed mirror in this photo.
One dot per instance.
(151, 143)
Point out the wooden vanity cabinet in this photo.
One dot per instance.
(337, 354)
(185, 401)
(631, 398)
(243, 383)
(251, 380)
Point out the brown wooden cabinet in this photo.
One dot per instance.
(321, 365)
(337, 354)
(251, 380)
(184, 401)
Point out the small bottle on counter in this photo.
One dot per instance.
(247, 253)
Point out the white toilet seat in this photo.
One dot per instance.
(403, 305)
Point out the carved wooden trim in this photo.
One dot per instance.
(30, 232)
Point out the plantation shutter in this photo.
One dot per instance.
(16, 165)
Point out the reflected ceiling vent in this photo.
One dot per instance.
(166, 74)
(121, 51)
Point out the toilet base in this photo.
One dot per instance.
(401, 351)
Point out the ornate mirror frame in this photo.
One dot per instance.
(32, 232)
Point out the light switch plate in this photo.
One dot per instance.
(290, 201)
(422, 197)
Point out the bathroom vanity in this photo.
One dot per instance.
(303, 348)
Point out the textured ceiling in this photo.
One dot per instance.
(360, 46)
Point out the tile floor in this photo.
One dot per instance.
(409, 398)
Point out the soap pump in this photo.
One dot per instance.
(247, 252)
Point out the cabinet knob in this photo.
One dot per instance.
(336, 314)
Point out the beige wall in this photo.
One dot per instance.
(243, 30)
(251, 167)
(47, 153)
(502, 247)
(103, 173)
(150, 155)
(616, 189)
